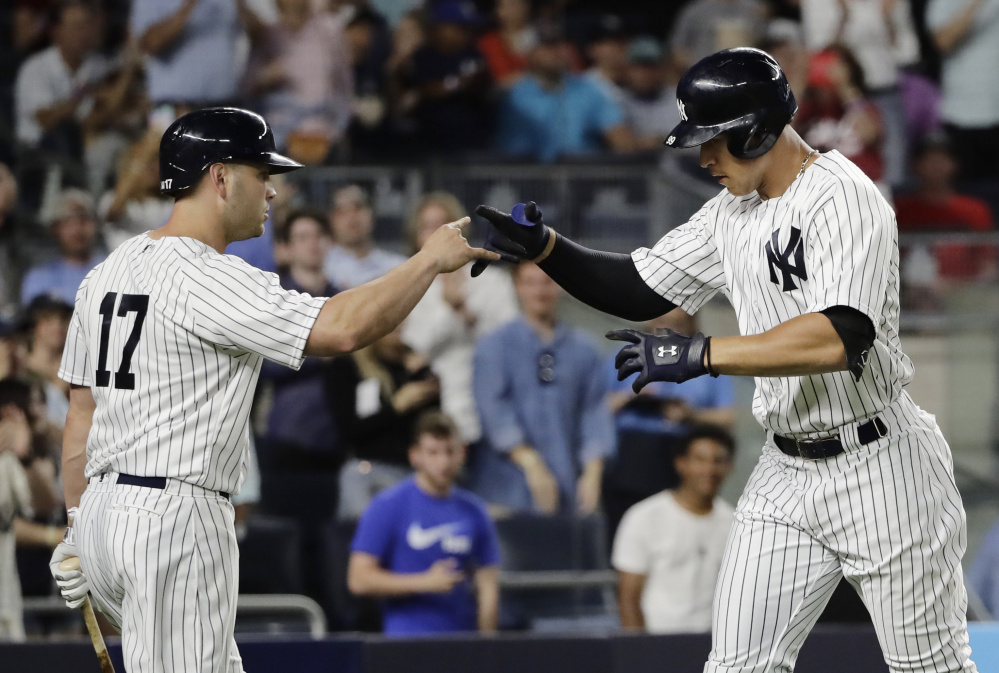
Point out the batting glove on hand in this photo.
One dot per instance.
(73, 585)
(663, 356)
(516, 236)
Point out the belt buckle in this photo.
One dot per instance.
(802, 449)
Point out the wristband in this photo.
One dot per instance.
(71, 514)
(707, 358)
(548, 247)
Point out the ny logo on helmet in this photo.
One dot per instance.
(683, 111)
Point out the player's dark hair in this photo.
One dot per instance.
(283, 233)
(714, 433)
(437, 424)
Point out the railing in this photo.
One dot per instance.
(248, 604)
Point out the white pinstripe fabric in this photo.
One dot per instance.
(887, 516)
(850, 243)
(211, 320)
(165, 566)
(169, 335)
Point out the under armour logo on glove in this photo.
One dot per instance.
(664, 356)
(661, 354)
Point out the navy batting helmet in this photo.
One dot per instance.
(215, 135)
(742, 92)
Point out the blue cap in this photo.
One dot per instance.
(461, 12)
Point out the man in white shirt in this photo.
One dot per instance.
(54, 86)
(668, 549)
(354, 258)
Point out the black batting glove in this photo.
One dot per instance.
(663, 356)
(518, 235)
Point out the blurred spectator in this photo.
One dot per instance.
(354, 259)
(23, 27)
(936, 207)
(786, 43)
(836, 114)
(668, 550)
(300, 71)
(377, 393)
(8, 222)
(301, 431)
(453, 81)
(967, 34)
(48, 321)
(541, 395)
(12, 351)
(505, 48)
(35, 529)
(402, 93)
(135, 205)
(984, 574)
(607, 50)
(552, 112)
(706, 26)
(454, 313)
(370, 47)
(649, 100)
(74, 227)
(55, 87)
(882, 37)
(651, 424)
(15, 501)
(428, 547)
(193, 55)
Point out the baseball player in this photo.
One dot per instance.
(163, 354)
(854, 480)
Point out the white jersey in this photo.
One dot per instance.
(680, 554)
(169, 335)
(830, 239)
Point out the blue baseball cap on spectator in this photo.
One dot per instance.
(461, 12)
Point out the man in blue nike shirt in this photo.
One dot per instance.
(427, 547)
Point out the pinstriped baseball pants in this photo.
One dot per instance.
(164, 565)
(887, 516)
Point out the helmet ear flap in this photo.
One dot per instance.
(753, 141)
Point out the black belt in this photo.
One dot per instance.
(150, 482)
(868, 432)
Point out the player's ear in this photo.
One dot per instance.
(220, 177)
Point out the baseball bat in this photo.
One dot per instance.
(73, 563)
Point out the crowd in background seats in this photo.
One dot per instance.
(904, 88)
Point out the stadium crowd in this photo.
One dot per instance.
(485, 385)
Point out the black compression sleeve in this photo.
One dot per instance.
(607, 281)
(857, 333)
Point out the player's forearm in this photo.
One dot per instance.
(358, 317)
(607, 281)
(801, 346)
(74, 444)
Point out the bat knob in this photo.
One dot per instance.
(71, 563)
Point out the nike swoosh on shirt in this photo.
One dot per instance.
(419, 538)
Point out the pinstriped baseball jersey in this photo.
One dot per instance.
(170, 335)
(829, 240)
